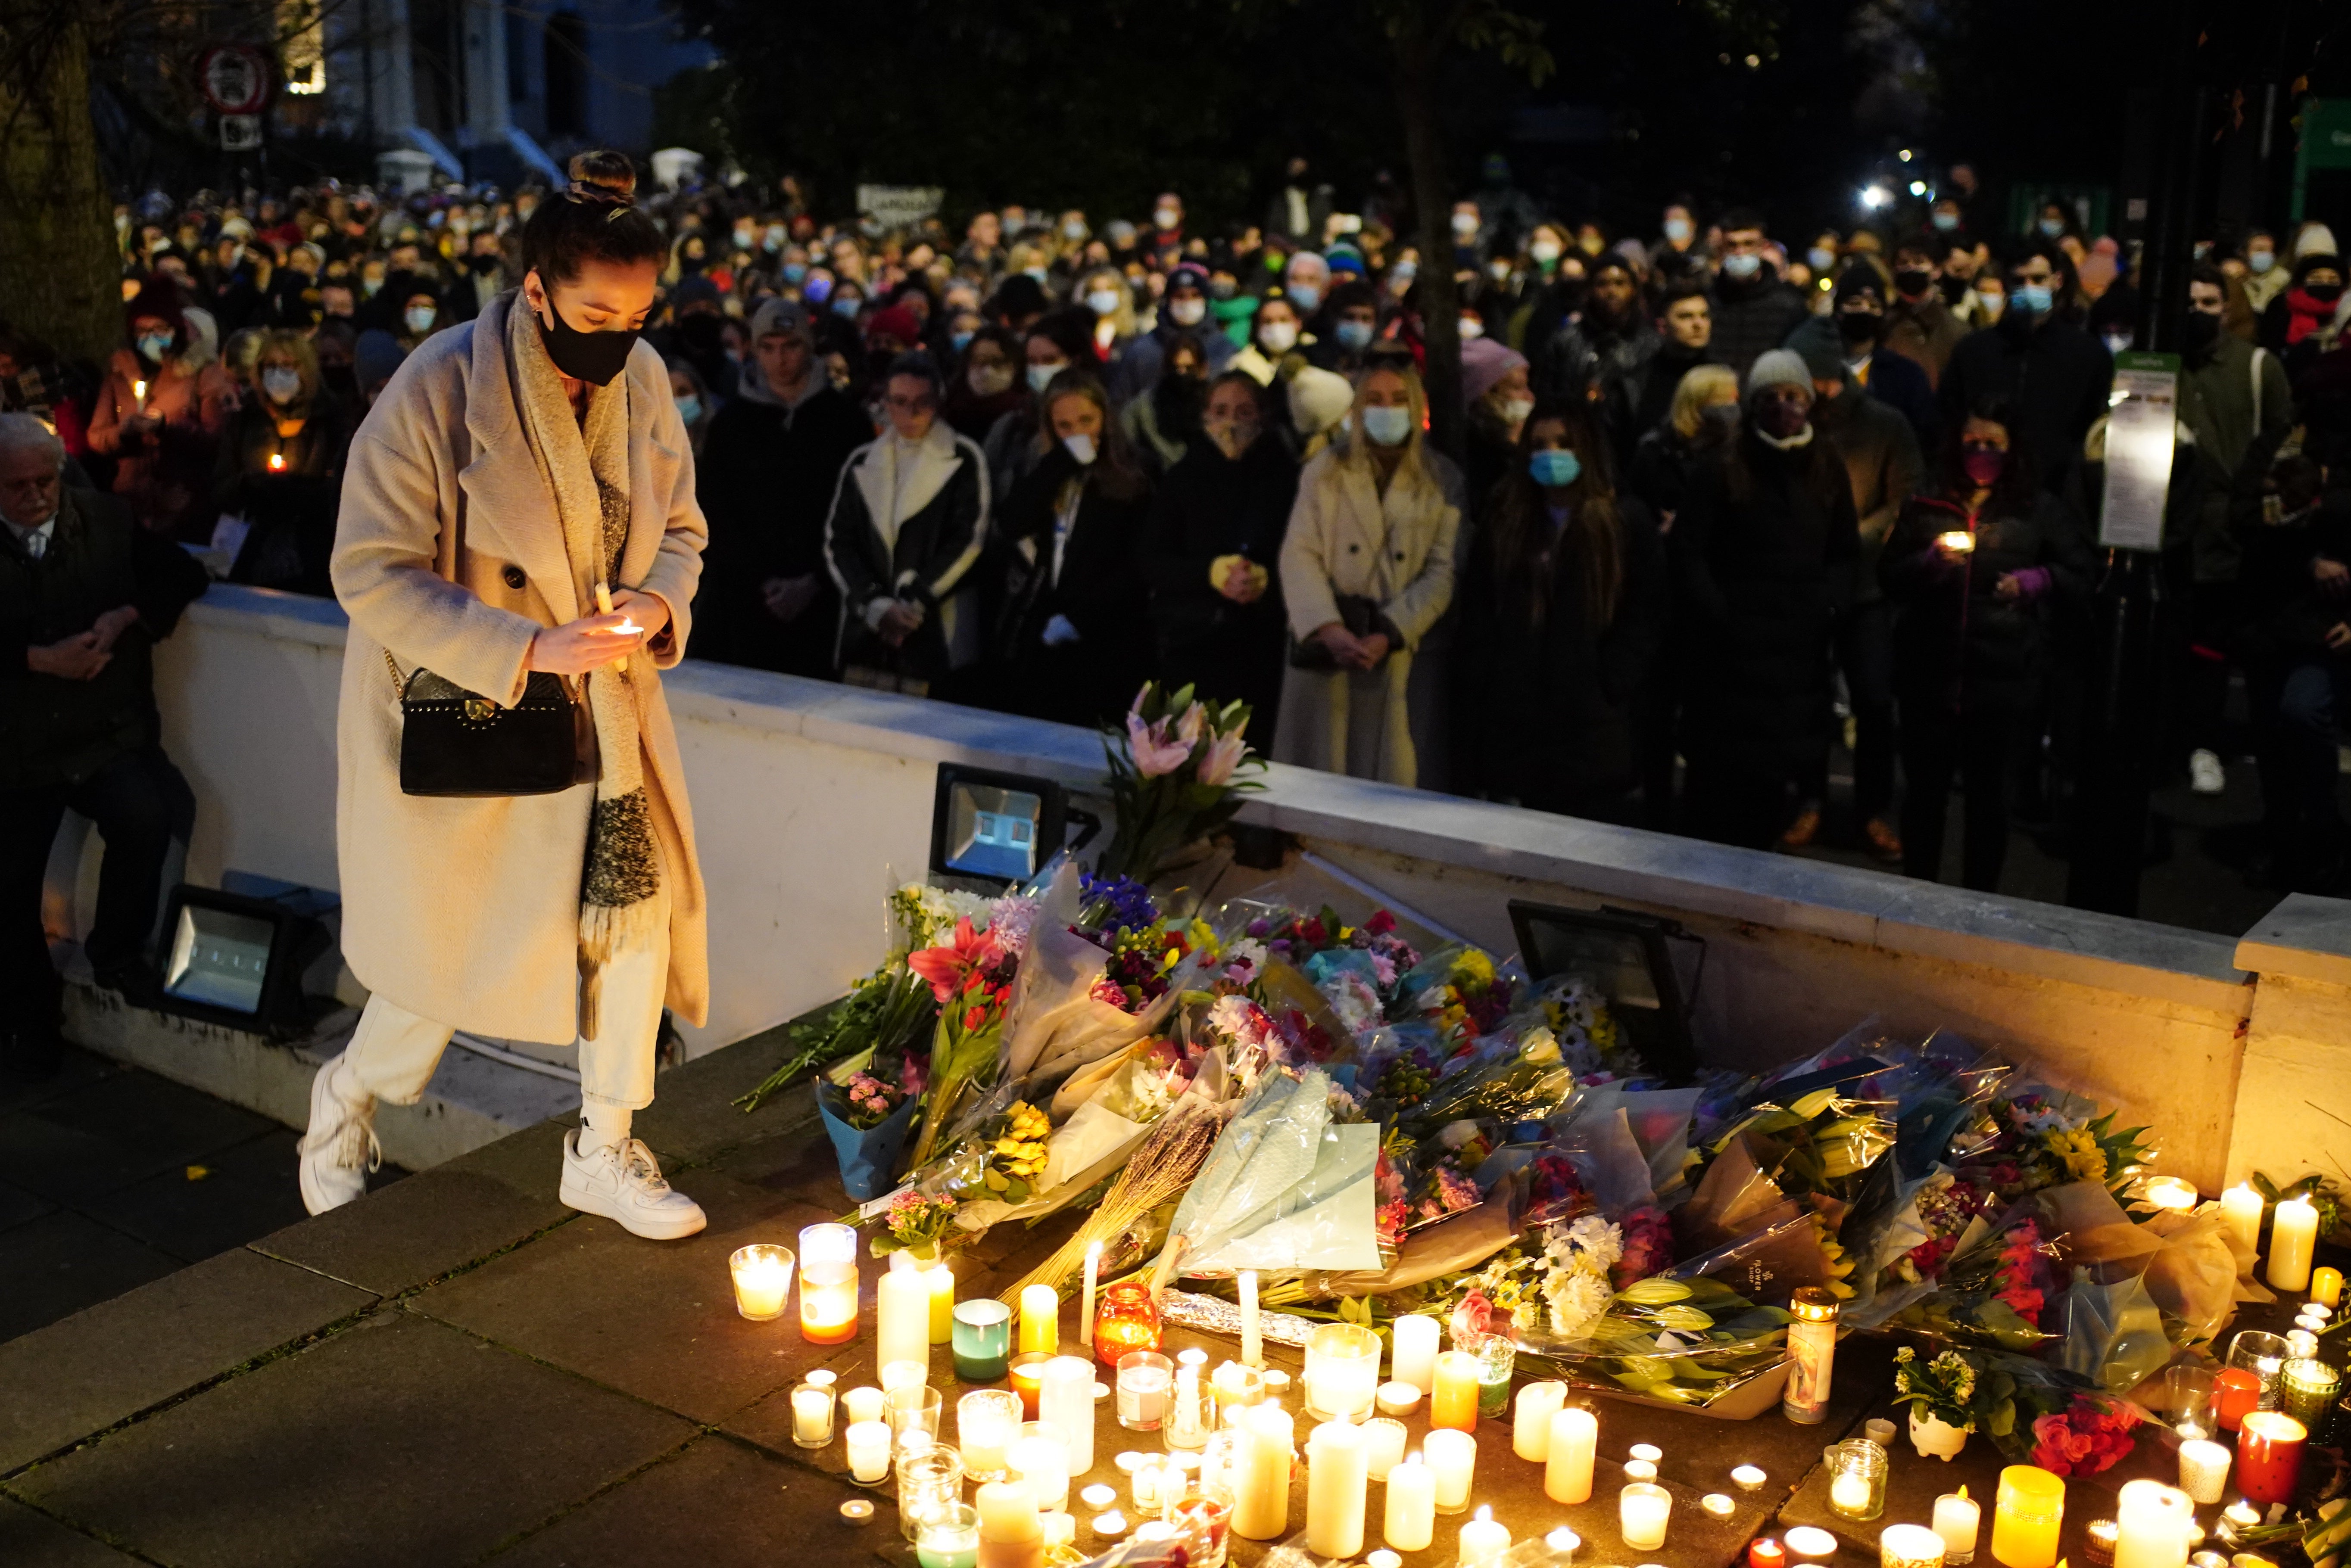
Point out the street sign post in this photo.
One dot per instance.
(240, 132)
(235, 78)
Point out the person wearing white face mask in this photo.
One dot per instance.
(1105, 293)
(1495, 383)
(1072, 638)
(162, 411)
(1056, 341)
(1278, 340)
(281, 471)
(1367, 574)
(1182, 313)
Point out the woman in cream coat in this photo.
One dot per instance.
(1367, 573)
(514, 467)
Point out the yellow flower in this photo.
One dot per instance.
(2077, 1150)
(1007, 1147)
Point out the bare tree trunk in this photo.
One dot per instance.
(1440, 300)
(57, 242)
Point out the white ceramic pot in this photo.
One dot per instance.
(1936, 1437)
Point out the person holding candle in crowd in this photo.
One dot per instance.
(571, 918)
(281, 469)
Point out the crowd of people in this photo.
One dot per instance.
(1727, 494)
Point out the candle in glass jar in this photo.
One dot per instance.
(763, 1280)
(1483, 1539)
(1343, 1371)
(1453, 1459)
(1065, 1396)
(1258, 1476)
(2170, 1192)
(1127, 1320)
(1454, 1403)
(1642, 1511)
(868, 1450)
(1568, 1455)
(2269, 1455)
(1417, 1339)
(2293, 1230)
(1144, 1378)
(1041, 1320)
(2026, 1517)
(1409, 1523)
(1909, 1546)
(1028, 1376)
(1958, 1517)
(2326, 1287)
(983, 1339)
(812, 1411)
(2236, 1393)
(1337, 1474)
(2203, 1470)
(1383, 1441)
(2151, 1524)
(986, 1421)
(948, 1538)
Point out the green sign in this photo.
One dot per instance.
(2326, 143)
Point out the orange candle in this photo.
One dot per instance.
(2269, 1457)
(1027, 1378)
(2236, 1393)
(1454, 1404)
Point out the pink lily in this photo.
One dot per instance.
(1154, 752)
(1222, 756)
(1188, 728)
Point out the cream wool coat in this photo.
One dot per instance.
(1401, 551)
(468, 911)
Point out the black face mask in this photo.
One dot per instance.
(2199, 332)
(2325, 293)
(340, 379)
(1914, 283)
(1858, 327)
(485, 263)
(593, 357)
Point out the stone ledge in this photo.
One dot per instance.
(2304, 937)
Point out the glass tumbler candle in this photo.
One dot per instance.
(982, 1339)
(987, 1420)
(1498, 1357)
(929, 1483)
(1144, 1377)
(1126, 1319)
(812, 1403)
(2264, 1355)
(763, 1280)
(2189, 1391)
(1202, 1515)
(1343, 1371)
(913, 1411)
(2269, 1457)
(1026, 1372)
(829, 1285)
(2306, 1391)
(1856, 1470)
(949, 1538)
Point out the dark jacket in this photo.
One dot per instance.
(1584, 352)
(1211, 505)
(1638, 400)
(1763, 554)
(1881, 461)
(290, 510)
(1752, 317)
(1923, 332)
(1100, 589)
(766, 479)
(2233, 395)
(54, 731)
(1664, 465)
(2057, 376)
(1888, 379)
(1545, 706)
(1958, 647)
(929, 563)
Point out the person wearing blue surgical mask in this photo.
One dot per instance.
(1754, 307)
(1351, 318)
(694, 402)
(1562, 615)
(1367, 573)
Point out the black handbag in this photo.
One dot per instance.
(458, 742)
(1360, 615)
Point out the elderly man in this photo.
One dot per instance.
(84, 593)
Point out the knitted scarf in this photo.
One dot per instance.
(586, 464)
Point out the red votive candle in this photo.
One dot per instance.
(1766, 1553)
(2236, 1393)
(2269, 1457)
(1027, 1378)
(1127, 1320)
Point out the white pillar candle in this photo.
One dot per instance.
(2151, 1522)
(1065, 1396)
(1483, 1539)
(1041, 1321)
(862, 1405)
(1958, 1517)
(1385, 1438)
(2241, 1206)
(1086, 1307)
(1642, 1511)
(1007, 1512)
(1530, 1419)
(2293, 1230)
(1567, 1470)
(868, 1450)
(1410, 1522)
(1042, 1460)
(1258, 1476)
(902, 1314)
(1337, 1473)
(1252, 1349)
(1416, 1340)
(2203, 1470)
(1453, 1458)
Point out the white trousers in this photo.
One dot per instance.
(394, 1052)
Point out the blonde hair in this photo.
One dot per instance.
(1413, 467)
(1122, 319)
(1700, 388)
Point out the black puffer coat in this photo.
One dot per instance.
(1972, 651)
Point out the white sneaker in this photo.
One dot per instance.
(623, 1184)
(2205, 775)
(341, 1149)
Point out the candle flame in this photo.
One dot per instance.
(276, 463)
(1485, 1514)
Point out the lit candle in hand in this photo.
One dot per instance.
(276, 463)
(626, 629)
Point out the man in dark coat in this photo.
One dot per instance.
(1754, 307)
(1919, 324)
(1612, 341)
(1854, 330)
(1638, 400)
(766, 480)
(2055, 375)
(84, 593)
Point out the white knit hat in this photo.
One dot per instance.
(1780, 367)
(1319, 400)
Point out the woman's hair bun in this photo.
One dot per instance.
(603, 174)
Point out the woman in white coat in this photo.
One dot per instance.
(1367, 573)
(517, 470)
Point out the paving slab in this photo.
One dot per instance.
(437, 1221)
(60, 1262)
(113, 1130)
(17, 1205)
(101, 1367)
(694, 1116)
(245, 1191)
(716, 1505)
(396, 1445)
(76, 1068)
(655, 1319)
(32, 1540)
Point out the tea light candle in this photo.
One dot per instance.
(1909, 1546)
(1483, 1539)
(1567, 1470)
(1041, 1321)
(1848, 1494)
(1416, 1352)
(1065, 1396)
(943, 1303)
(1147, 1484)
(1454, 1404)
(1385, 1439)
(2269, 1455)
(2026, 1517)
(2294, 1232)
(2170, 1192)
(1642, 1510)
(1530, 1419)
(1258, 1474)
(2326, 1287)
(857, 1511)
(2151, 1523)
(869, 1451)
(1958, 1517)
(1650, 1451)
(1810, 1541)
(982, 1339)
(1383, 1558)
(2203, 1470)
(1410, 1521)
(1252, 1348)
(812, 1411)
(1453, 1459)
(1565, 1542)
(2240, 1209)
(1766, 1552)
(1108, 1526)
(1749, 1478)
(1086, 1307)
(1398, 1398)
(1337, 1473)
(1718, 1505)
(862, 1403)
(1640, 1470)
